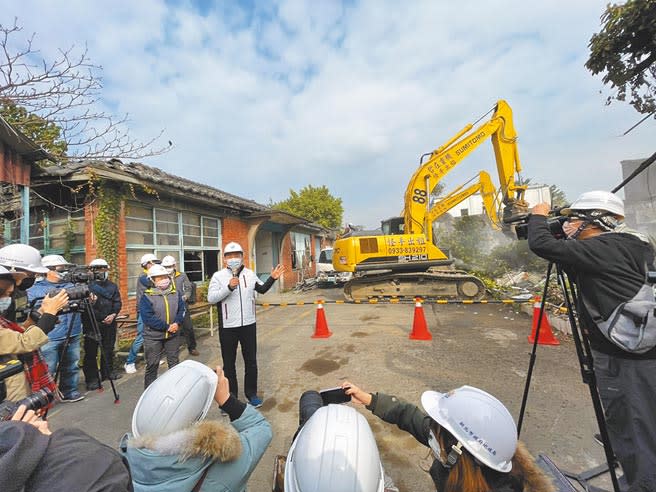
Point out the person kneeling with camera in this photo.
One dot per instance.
(472, 436)
(25, 341)
(172, 447)
(66, 333)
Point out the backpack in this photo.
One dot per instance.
(632, 325)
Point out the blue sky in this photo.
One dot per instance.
(261, 97)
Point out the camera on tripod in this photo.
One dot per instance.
(555, 224)
(36, 401)
(80, 276)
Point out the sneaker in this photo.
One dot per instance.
(194, 352)
(256, 401)
(74, 396)
(130, 368)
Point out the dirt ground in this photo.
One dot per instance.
(479, 345)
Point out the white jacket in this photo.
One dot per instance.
(237, 306)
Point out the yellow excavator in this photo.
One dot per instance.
(403, 261)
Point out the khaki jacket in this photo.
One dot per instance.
(13, 343)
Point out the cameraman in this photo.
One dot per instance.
(105, 308)
(26, 339)
(52, 351)
(607, 261)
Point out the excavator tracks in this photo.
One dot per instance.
(441, 284)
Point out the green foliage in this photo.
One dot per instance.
(43, 133)
(315, 204)
(625, 51)
(105, 224)
(558, 197)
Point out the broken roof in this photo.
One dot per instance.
(19, 143)
(141, 174)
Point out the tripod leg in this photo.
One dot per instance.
(96, 333)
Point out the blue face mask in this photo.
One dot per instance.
(233, 263)
(5, 302)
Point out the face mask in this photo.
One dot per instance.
(571, 229)
(434, 444)
(171, 270)
(233, 263)
(26, 283)
(163, 284)
(103, 276)
(61, 275)
(5, 302)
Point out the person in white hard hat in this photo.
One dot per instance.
(23, 341)
(173, 448)
(67, 334)
(186, 288)
(106, 307)
(162, 310)
(609, 263)
(26, 259)
(143, 282)
(234, 289)
(471, 434)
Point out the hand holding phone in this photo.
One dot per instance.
(335, 395)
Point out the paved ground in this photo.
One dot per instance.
(479, 345)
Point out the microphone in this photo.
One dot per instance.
(235, 272)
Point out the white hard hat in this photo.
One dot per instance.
(22, 256)
(334, 451)
(148, 258)
(54, 261)
(98, 263)
(479, 421)
(17, 276)
(233, 248)
(157, 271)
(175, 400)
(597, 200)
(168, 261)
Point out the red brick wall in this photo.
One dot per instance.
(237, 231)
(290, 276)
(12, 167)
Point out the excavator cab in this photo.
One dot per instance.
(393, 225)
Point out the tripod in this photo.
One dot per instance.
(85, 307)
(584, 355)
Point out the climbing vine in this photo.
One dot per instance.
(69, 238)
(105, 225)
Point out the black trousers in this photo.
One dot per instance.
(245, 336)
(627, 388)
(187, 331)
(90, 362)
(153, 350)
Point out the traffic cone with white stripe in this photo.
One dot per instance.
(419, 325)
(321, 325)
(546, 336)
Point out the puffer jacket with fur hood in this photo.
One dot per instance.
(176, 462)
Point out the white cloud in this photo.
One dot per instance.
(350, 96)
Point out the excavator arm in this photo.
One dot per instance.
(483, 186)
(500, 129)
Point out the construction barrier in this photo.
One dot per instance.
(392, 300)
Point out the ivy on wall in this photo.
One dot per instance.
(105, 225)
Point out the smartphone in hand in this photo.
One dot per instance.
(334, 395)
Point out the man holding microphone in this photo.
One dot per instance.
(234, 288)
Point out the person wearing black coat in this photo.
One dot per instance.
(106, 306)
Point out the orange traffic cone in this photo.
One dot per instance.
(546, 336)
(419, 326)
(321, 325)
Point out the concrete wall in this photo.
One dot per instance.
(640, 197)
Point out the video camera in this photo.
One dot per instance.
(36, 401)
(81, 274)
(554, 222)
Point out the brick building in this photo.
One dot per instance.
(82, 210)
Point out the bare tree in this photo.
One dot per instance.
(64, 92)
